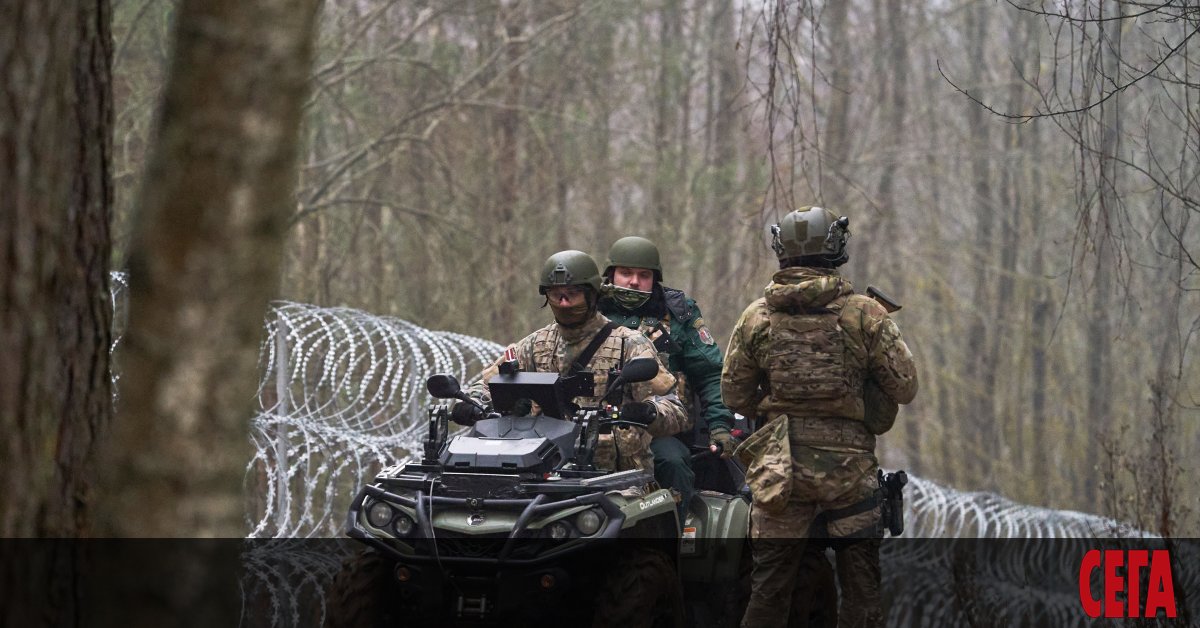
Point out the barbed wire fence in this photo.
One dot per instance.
(342, 394)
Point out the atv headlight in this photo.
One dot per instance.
(379, 514)
(403, 525)
(558, 530)
(588, 521)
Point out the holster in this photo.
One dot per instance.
(891, 489)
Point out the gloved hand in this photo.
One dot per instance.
(465, 413)
(720, 441)
(642, 412)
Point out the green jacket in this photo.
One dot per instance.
(693, 351)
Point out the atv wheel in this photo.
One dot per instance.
(359, 596)
(641, 591)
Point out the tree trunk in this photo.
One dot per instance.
(55, 311)
(1099, 328)
(1039, 299)
(507, 129)
(666, 159)
(835, 145)
(205, 262)
(877, 228)
(981, 366)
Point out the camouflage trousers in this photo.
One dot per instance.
(823, 481)
(625, 448)
(791, 584)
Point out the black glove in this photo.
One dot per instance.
(664, 343)
(642, 412)
(466, 413)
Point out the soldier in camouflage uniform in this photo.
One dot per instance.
(570, 281)
(636, 298)
(798, 360)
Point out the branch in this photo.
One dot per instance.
(1023, 118)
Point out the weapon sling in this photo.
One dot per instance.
(585, 356)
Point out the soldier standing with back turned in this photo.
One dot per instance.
(799, 359)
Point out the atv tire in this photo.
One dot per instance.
(359, 595)
(641, 591)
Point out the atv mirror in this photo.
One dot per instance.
(443, 386)
(639, 370)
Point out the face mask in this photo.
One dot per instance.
(628, 298)
(572, 316)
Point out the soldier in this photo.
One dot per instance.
(799, 359)
(636, 298)
(570, 281)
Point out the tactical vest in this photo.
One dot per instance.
(549, 356)
(806, 358)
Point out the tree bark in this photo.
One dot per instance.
(835, 145)
(1099, 327)
(981, 366)
(55, 310)
(205, 260)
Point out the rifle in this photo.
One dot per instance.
(883, 299)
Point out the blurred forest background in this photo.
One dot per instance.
(1023, 181)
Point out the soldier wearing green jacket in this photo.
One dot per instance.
(635, 297)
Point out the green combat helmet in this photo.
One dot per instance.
(569, 268)
(634, 252)
(812, 231)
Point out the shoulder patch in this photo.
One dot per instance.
(702, 330)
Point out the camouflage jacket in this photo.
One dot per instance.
(806, 348)
(553, 348)
(690, 350)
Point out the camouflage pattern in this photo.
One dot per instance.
(804, 354)
(879, 410)
(768, 458)
(693, 356)
(553, 348)
(796, 573)
(870, 348)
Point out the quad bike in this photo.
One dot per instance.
(513, 522)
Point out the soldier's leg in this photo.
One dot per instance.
(777, 544)
(815, 596)
(858, 573)
(776, 565)
(673, 469)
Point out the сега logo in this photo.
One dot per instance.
(1122, 589)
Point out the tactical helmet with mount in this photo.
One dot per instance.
(569, 268)
(634, 252)
(814, 233)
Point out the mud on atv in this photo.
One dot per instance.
(513, 523)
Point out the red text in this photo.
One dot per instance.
(1122, 590)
